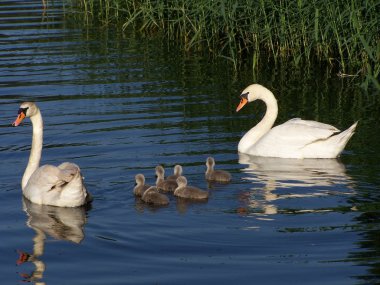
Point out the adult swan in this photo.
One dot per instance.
(295, 138)
(49, 185)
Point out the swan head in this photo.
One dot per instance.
(252, 93)
(27, 109)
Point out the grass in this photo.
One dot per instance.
(342, 33)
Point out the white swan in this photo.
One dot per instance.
(49, 185)
(295, 138)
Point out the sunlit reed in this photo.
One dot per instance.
(343, 33)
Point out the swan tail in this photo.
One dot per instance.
(342, 139)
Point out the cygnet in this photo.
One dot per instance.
(216, 175)
(188, 192)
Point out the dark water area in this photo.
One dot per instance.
(117, 105)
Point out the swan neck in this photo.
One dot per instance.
(258, 131)
(271, 114)
(36, 150)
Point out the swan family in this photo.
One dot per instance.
(63, 185)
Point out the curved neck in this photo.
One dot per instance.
(178, 171)
(258, 131)
(160, 178)
(210, 168)
(35, 152)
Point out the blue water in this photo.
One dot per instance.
(120, 104)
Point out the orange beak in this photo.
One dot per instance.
(242, 103)
(21, 116)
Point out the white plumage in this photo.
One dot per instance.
(48, 184)
(295, 138)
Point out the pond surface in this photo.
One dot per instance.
(119, 105)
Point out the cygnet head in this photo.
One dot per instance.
(181, 181)
(160, 171)
(140, 179)
(210, 163)
(27, 109)
(252, 93)
(178, 170)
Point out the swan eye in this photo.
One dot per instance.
(22, 110)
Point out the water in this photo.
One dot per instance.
(118, 105)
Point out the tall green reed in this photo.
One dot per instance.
(343, 33)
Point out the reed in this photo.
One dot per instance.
(342, 33)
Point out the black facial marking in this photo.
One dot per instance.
(244, 95)
(22, 110)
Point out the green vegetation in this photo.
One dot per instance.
(342, 33)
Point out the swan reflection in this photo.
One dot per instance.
(274, 179)
(58, 222)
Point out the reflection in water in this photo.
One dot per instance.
(309, 177)
(57, 222)
(182, 205)
(141, 206)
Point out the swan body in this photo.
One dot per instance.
(152, 196)
(295, 138)
(177, 173)
(216, 175)
(140, 187)
(161, 183)
(189, 192)
(61, 185)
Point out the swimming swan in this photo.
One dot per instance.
(60, 186)
(295, 138)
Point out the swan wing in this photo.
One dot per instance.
(56, 186)
(290, 138)
(51, 178)
(311, 124)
